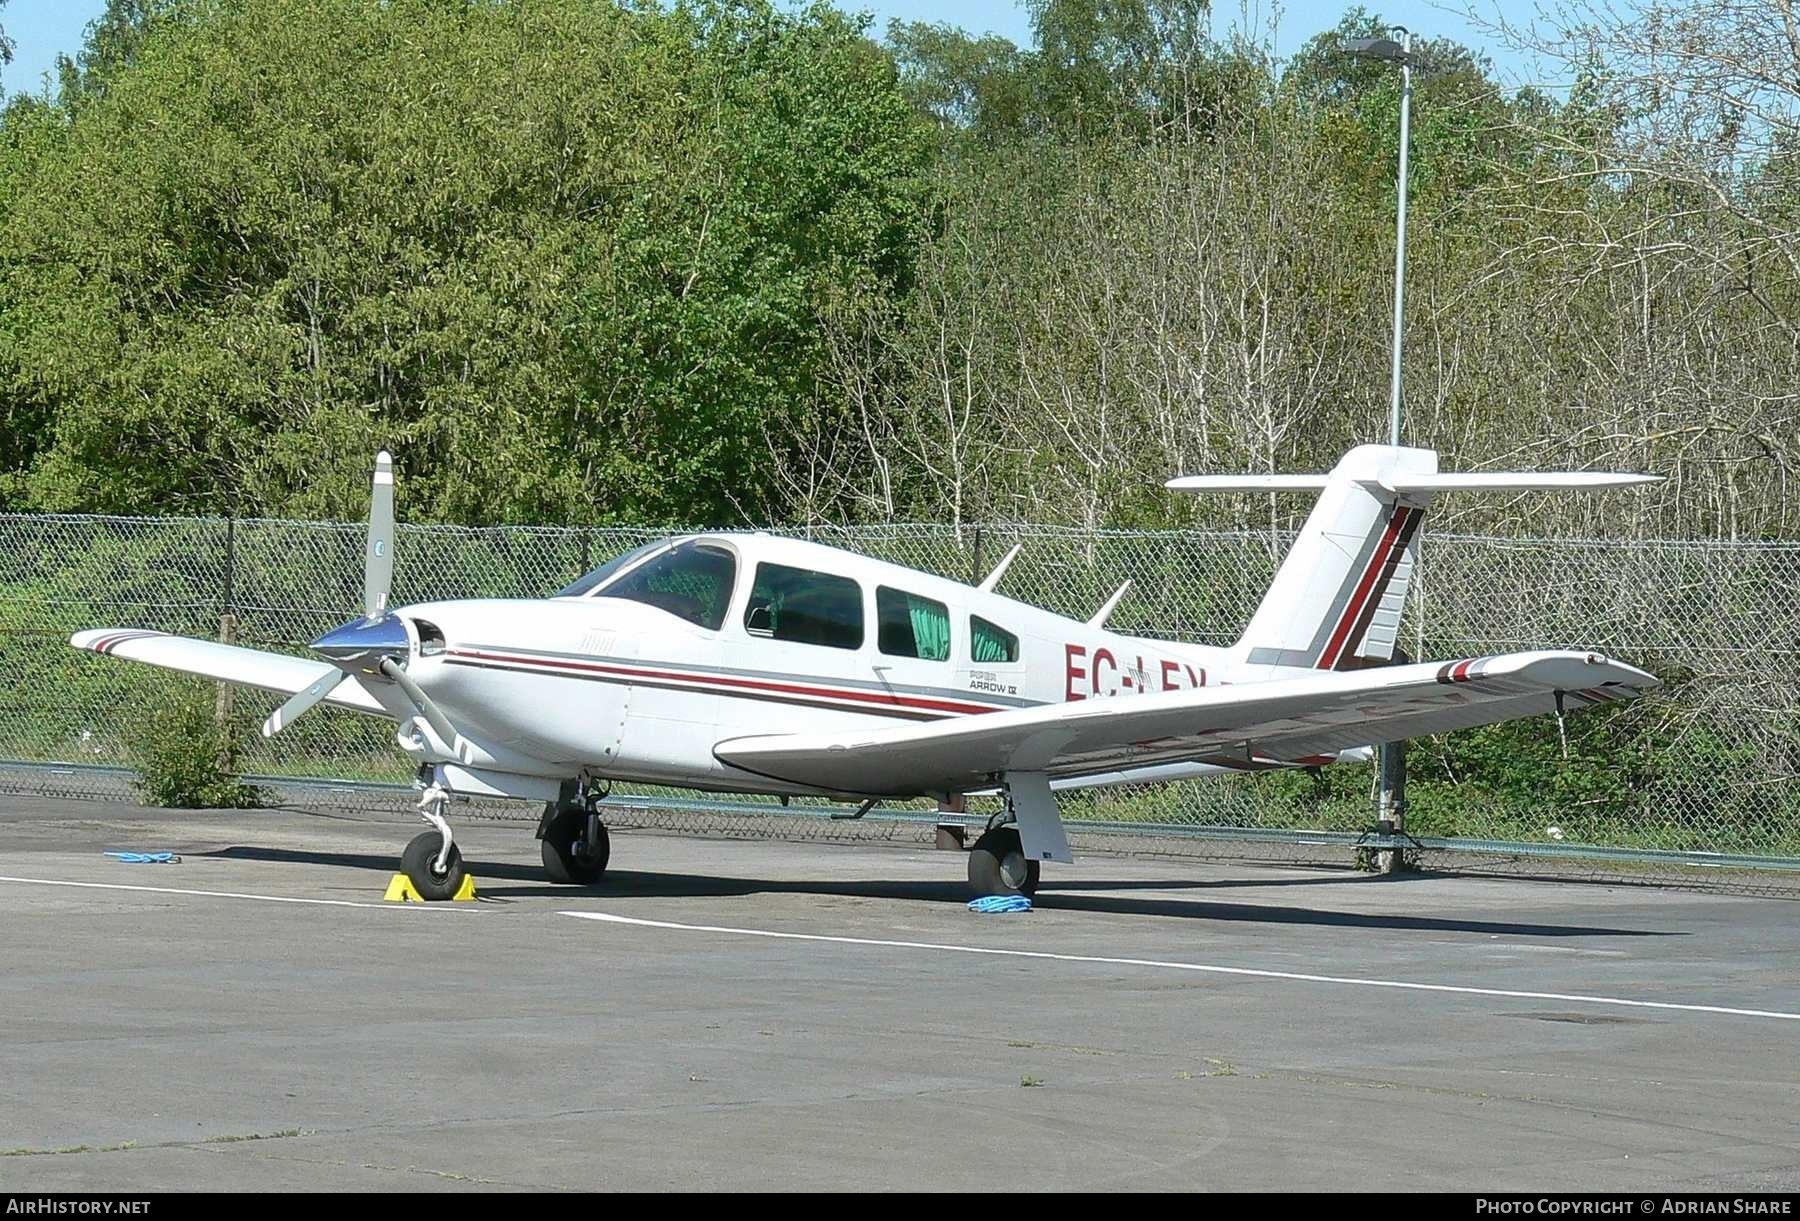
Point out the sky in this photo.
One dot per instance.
(43, 29)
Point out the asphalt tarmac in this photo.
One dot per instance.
(764, 1015)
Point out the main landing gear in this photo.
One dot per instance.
(574, 842)
(998, 865)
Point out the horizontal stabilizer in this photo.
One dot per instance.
(1414, 483)
(1512, 481)
(1248, 483)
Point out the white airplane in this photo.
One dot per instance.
(750, 663)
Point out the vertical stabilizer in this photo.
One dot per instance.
(1336, 602)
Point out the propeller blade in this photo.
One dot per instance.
(378, 559)
(300, 701)
(434, 716)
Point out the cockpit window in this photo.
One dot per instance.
(606, 571)
(691, 581)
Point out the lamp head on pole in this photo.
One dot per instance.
(1380, 48)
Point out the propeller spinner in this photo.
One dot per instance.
(376, 642)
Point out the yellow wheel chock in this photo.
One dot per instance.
(401, 890)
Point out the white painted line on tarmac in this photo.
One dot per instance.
(231, 894)
(1250, 972)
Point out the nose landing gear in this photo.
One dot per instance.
(432, 862)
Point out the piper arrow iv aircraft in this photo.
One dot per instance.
(751, 663)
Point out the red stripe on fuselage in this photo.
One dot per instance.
(741, 684)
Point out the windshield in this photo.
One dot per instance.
(606, 570)
(692, 581)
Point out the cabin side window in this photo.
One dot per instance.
(907, 625)
(805, 607)
(990, 643)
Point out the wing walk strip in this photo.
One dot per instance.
(809, 694)
(1202, 968)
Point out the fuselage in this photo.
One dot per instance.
(638, 671)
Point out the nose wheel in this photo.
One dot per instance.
(574, 844)
(432, 862)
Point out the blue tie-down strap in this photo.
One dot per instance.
(993, 905)
(147, 858)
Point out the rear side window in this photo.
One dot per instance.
(990, 642)
(910, 626)
(805, 607)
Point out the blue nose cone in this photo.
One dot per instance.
(364, 642)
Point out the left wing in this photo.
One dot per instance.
(228, 662)
(1286, 720)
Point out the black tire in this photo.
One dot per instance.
(568, 858)
(997, 865)
(419, 864)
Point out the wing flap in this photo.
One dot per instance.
(1288, 720)
(227, 662)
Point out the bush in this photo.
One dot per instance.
(184, 756)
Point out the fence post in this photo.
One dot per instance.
(1390, 806)
(975, 572)
(225, 701)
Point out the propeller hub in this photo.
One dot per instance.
(363, 642)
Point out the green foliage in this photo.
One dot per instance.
(184, 756)
(566, 259)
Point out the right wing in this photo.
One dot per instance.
(226, 662)
(1290, 720)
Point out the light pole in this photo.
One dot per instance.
(1398, 53)
(1391, 808)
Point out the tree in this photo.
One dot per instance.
(566, 259)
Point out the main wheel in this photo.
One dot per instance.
(998, 865)
(419, 864)
(568, 856)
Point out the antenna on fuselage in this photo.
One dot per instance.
(993, 578)
(1105, 612)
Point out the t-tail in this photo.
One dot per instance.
(1336, 602)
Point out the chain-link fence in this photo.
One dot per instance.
(1706, 765)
